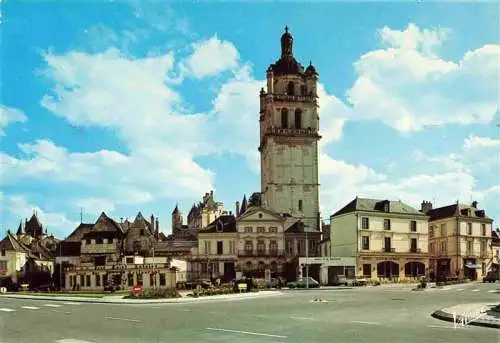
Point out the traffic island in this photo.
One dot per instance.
(480, 314)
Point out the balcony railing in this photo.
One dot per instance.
(286, 97)
(388, 250)
(279, 131)
(415, 250)
(261, 253)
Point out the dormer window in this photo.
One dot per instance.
(386, 207)
(219, 226)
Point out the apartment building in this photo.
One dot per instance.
(387, 239)
(459, 240)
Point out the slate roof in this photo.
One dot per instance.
(456, 209)
(223, 224)
(79, 232)
(377, 205)
(495, 237)
(10, 243)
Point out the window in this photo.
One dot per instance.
(3, 252)
(470, 248)
(365, 223)
(432, 248)
(220, 247)
(152, 279)
(98, 280)
(70, 278)
(273, 229)
(443, 230)
(387, 244)
(81, 280)
(208, 247)
(130, 260)
(273, 246)
(98, 240)
(443, 248)
(87, 279)
(365, 243)
(300, 205)
(261, 246)
(469, 228)
(483, 247)
(483, 229)
(248, 246)
(142, 232)
(3, 265)
(248, 229)
(387, 224)
(431, 231)
(88, 241)
(367, 270)
(284, 118)
(298, 118)
(290, 89)
(163, 279)
(219, 226)
(413, 245)
(289, 246)
(130, 279)
(139, 278)
(413, 226)
(261, 229)
(302, 90)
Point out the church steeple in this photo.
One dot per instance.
(286, 44)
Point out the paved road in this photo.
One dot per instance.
(358, 315)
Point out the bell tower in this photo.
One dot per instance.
(289, 135)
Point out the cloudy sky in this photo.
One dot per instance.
(127, 106)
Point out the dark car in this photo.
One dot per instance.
(304, 283)
(491, 277)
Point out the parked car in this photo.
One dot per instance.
(339, 280)
(303, 283)
(491, 277)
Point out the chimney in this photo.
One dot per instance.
(474, 204)
(237, 208)
(425, 207)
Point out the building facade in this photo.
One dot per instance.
(384, 239)
(459, 240)
(289, 126)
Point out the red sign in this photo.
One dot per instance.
(137, 290)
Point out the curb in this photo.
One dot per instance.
(139, 301)
(316, 289)
(448, 317)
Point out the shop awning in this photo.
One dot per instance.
(472, 266)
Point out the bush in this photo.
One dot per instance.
(158, 293)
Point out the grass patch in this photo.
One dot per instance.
(160, 293)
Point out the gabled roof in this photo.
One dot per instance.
(79, 232)
(10, 243)
(377, 205)
(107, 223)
(223, 224)
(253, 209)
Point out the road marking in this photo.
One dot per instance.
(446, 288)
(7, 310)
(247, 332)
(61, 311)
(363, 322)
(124, 319)
(30, 307)
(186, 310)
(493, 291)
(475, 290)
(52, 305)
(460, 290)
(71, 340)
(302, 318)
(71, 303)
(440, 327)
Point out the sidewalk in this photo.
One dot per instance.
(478, 314)
(116, 299)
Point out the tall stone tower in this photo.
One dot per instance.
(289, 125)
(176, 221)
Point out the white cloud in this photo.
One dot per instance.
(211, 57)
(9, 115)
(19, 208)
(408, 86)
(481, 142)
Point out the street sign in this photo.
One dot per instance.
(137, 290)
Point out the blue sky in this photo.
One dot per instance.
(135, 106)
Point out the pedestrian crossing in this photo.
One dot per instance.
(36, 308)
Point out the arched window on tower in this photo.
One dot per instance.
(290, 89)
(298, 118)
(284, 118)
